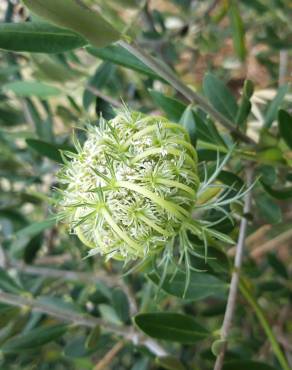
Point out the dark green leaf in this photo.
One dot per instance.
(207, 131)
(278, 265)
(285, 126)
(274, 106)
(121, 305)
(7, 283)
(220, 96)
(71, 14)
(245, 104)
(38, 37)
(269, 210)
(48, 150)
(34, 338)
(92, 339)
(173, 327)
(173, 108)
(31, 88)
(285, 193)
(201, 286)
(187, 120)
(118, 55)
(237, 29)
(104, 109)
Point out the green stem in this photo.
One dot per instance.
(264, 322)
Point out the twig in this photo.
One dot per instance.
(188, 93)
(106, 98)
(125, 332)
(230, 307)
(110, 355)
(272, 244)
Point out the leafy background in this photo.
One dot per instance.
(60, 311)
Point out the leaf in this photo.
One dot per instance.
(118, 55)
(201, 286)
(187, 120)
(35, 228)
(217, 346)
(34, 338)
(77, 17)
(169, 363)
(207, 131)
(104, 109)
(220, 96)
(38, 37)
(285, 193)
(173, 108)
(244, 365)
(173, 327)
(269, 210)
(109, 314)
(31, 88)
(48, 150)
(237, 29)
(285, 126)
(8, 313)
(7, 283)
(93, 337)
(274, 105)
(245, 104)
(121, 305)
(99, 79)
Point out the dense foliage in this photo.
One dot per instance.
(158, 134)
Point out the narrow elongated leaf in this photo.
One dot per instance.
(172, 107)
(245, 104)
(34, 338)
(121, 305)
(207, 131)
(274, 106)
(173, 327)
(7, 283)
(48, 150)
(220, 96)
(285, 126)
(38, 37)
(35, 228)
(237, 29)
(73, 15)
(31, 88)
(268, 209)
(201, 285)
(285, 193)
(118, 55)
(187, 120)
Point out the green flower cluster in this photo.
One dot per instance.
(131, 186)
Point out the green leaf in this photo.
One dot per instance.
(207, 131)
(36, 228)
(244, 365)
(245, 104)
(187, 120)
(201, 286)
(31, 88)
(169, 363)
(173, 327)
(109, 314)
(274, 105)
(99, 80)
(121, 305)
(173, 108)
(8, 313)
(48, 150)
(285, 126)
(269, 210)
(118, 55)
(77, 17)
(285, 193)
(38, 37)
(237, 29)
(34, 338)
(220, 96)
(93, 337)
(7, 283)
(217, 346)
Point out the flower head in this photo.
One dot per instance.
(131, 186)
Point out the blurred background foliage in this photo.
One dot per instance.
(60, 311)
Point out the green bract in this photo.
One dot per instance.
(131, 187)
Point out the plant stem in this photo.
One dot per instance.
(125, 332)
(264, 322)
(188, 93)
(231, 301)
